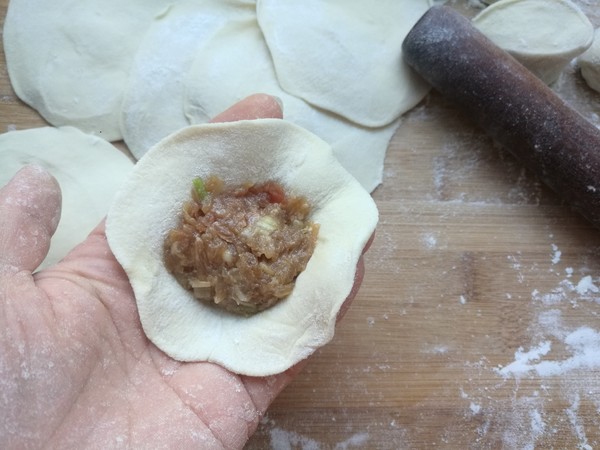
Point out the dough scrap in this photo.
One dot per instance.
(589, 63)
(88, 169)
(70, 59)
(148, 206)
(239, 50)
(544, 35)
(345, 56)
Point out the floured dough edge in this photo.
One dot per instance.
(345, 57)
(589, 63)
(88, 169)
(149, 205)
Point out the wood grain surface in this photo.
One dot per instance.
(474, 260)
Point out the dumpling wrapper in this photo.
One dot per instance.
(153, 101)
(543, 35)
(88, 169)
(149, 205)
(182, 61)
(589, 63)
(239, 50)
(345, 56)
(70, 59)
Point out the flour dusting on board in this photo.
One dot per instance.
(556, 366)
(281, 439)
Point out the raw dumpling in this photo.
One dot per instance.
(544, 35)
(88, 169)
(149, 204)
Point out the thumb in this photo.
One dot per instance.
(29, 213)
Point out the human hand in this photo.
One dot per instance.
(76, 370)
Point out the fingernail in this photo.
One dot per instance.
(279, 102)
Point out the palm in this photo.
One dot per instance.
(76, 369)
(87, 373)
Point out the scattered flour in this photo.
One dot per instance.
(429, 240)
(288, 440)
(556, 254)
(586, 285)
(281, 439)
(572, 414)
(585, 289)
(475, 408)
(558, 365)
(358, 440)
(583, 344)
(523, 360)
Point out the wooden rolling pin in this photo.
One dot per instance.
(512, 105)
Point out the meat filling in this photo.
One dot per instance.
(240, 248)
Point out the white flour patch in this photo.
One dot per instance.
(282, 439)
(523, 359)
(438, 349)
(429, 240)
(288, 440)
(582, 344)
(585, 289)
(358, 440)
(556, 254)
(475, 408)
(586, 285)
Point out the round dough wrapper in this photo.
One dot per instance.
(149, 205)
(88, 169)
(153, 101)
(239, 50)
(544, 35)
(345, 56)
(70, 59)
(589, 63)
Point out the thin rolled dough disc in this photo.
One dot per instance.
(153, 101)
(88, 169)
(589, 63)
(239, 50)
(149, 205)
(345, 56)
(70, 59)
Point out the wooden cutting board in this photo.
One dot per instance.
(477, 325)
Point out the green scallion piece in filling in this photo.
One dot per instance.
(199, 188)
